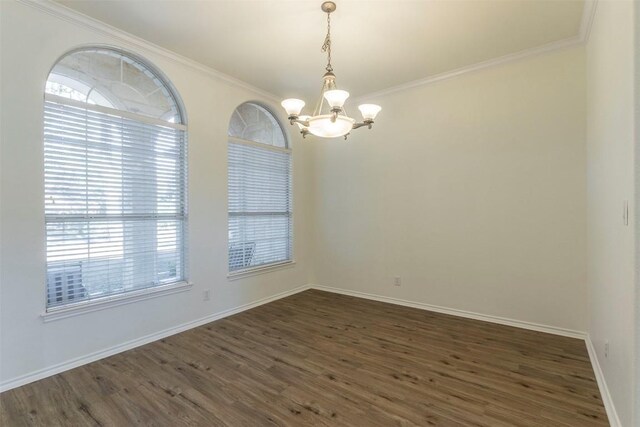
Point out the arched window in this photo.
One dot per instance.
(260, 216)
(115, 178)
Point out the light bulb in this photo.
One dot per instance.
(369, 111)
(292, 106)
(336, 97)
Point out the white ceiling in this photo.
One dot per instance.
(275, 44)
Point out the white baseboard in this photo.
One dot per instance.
(614, 420)
(460, 313)
(101, 354)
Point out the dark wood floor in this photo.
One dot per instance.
(317, 358)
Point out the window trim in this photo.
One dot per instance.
(97, 304)
(277, 265)
(260, 269)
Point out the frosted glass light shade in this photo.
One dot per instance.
(369, 111)
(336, 97)
(292, 106)
(323, 126)
(304, 119)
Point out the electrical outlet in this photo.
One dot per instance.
(397, 281)
(606, 349)
(206, 295)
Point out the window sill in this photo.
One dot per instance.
(97, 304)
(241, 274)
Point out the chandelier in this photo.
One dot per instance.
(332, 121)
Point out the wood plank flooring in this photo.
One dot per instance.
(317, 358)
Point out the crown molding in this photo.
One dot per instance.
(586, 22)
(77, 18)
(588, 13)
(74, 17)
(512, 57)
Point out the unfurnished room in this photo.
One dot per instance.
(319, 213)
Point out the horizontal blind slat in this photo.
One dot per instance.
(259, 203)
(115, 203)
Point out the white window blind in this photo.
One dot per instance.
(260, 205)
(115, 201)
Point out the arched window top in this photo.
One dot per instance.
(113, 79)
(255, 123)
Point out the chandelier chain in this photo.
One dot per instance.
(326, 47)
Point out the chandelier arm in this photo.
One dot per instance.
(367, 123)
(294, 119)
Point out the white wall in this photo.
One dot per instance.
(472, 190)
(636, 55)
(610, 154)
(32, 40)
